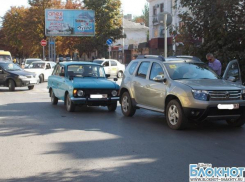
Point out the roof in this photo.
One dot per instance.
(78, 62)
(43, 61)
(132, 25)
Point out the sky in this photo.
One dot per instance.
(133, 7)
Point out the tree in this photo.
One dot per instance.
(219, 23)
(108, 23)
(144, 18)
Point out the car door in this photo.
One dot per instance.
(233, 70)
(2, 76)
(156, 90)
(55, 79)
(114, 67)
(107, 68)
(140, 82)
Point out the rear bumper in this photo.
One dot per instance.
(94, 102)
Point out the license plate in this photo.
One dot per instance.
(98, 96)
(228, 106)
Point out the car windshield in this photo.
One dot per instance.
(178, 71)
(5, 58)
(98, 61)
(29, 61)
(86, 71)
(10, 67)
(37, 65)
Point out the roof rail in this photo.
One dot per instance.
(159, 57)
(194, 58)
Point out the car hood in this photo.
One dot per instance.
(212, 84)
(35, 70)
(22, 73)
(94, 83)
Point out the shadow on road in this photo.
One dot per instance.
(141, 148)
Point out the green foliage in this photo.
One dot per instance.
(144, 17)
(219, 23)
(108, 24)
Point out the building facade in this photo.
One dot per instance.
(156, 27)
(135, 42)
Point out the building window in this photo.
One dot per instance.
(162, 7)
(154, 10)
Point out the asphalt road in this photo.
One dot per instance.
(41, 142)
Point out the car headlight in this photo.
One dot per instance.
(22, 77)
(80, 93)
(114, 93)
(200, 94)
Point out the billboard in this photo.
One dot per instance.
(61, 22)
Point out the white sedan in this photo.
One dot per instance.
(43, 69)
(111, 66)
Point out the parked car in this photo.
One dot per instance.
(185, 90)
(111, 66)
(82, 83)
(43, 69)
(11, 75)
(29, 61)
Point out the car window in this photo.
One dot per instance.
(113, 63)
(156, 69)
(106, 64)
(132, 68)
(233, 71)
(52, 65)
(48, 66)
(142, 71)
(57, 70)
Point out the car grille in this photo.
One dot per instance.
(97, 91)
(29, 76)
(225, 95)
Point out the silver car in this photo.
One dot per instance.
(111, 66)
(184, 89)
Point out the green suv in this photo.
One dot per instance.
(184, 89)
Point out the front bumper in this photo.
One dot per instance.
(26, 82)
(211, 112)
(94, 102)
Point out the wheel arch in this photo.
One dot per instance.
(7, 81)
(66, 92)
(169, 98)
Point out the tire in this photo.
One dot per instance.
(41, 79)
(112, 107)
(11, 85)
(54, 100)
(126, 105)
(31, 87)
(236, 122)
(175, 116)
(119, 74)
(70, 106)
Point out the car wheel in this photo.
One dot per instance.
(54, 100)
(120, 74)
(40, 78)
(112, 107)
(70, 106)
(11, 85)
(175, 116)
(31, 87)
(126, 105)
(236, 122)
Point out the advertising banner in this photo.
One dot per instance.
(61, 22)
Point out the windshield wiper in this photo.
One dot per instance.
(13, 69)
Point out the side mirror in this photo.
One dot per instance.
(159, 78)
(115, 79)
(231, 79)
(107, 75)
(62, 74)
